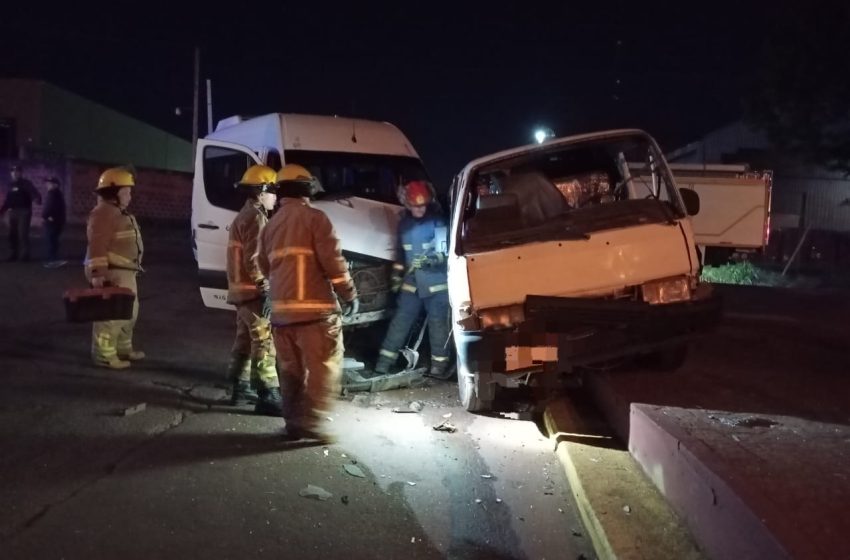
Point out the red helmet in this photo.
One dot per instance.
(417, 193)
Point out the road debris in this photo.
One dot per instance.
(488, 476)
(445, 426)
(354, 470)
(498, 500)
(478, 500)
(315, 493)
(447, 415)
(325, 452)
(411, 483)
(627, 509)
(344, 500)
(135, 409)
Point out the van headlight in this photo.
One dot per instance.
(669, 290)
(501, 317)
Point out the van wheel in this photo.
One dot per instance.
(469, 393)
(669, 359)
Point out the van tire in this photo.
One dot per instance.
(668, 359)
(468, 393)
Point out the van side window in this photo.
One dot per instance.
(223, 168)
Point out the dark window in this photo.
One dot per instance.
(223, 168)
(7, 138)
(371, 176)
(273, 160)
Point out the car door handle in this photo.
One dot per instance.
(208, 226)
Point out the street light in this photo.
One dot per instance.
(542, 133)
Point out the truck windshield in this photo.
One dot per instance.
(371, 176)
(569, 191)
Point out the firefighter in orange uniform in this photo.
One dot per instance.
(252, 354)
(301, 256)
(114, 257)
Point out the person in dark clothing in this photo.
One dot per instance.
(19, 204)
(53, 214)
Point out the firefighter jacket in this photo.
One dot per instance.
(424, 249)
(114, 240)
(301, 256)
(243, 273)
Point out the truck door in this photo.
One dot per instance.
(215, 203)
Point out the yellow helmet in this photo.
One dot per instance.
(301, 181)
(115, 177)
(258, 176)
(294, 172)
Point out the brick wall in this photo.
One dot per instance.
(158, 196)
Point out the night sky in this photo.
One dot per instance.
(461, 80)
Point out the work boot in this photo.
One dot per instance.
(243, 394)
(132, 356)
(269, 402)
(114, 363)
(440, 370)
(383, 366)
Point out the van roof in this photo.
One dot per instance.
(291, 131)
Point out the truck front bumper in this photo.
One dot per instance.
(559, 334)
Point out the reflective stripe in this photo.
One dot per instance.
(243, 287)
(301, 273)
(291, 251)
(97, 261)
(126, 234)
(439, 358)
(296, 305)
(341, 279)
(120, 260)
(438, 288)
(388, 354)
(408, 288)
(407, 247)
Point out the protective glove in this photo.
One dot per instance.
(395, 283)
(263, 288)
(350, 308)
(418, 261)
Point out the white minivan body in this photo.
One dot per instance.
(360, 164)
(570, 253)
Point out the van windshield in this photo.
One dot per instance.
(569, 191)
(372, 176)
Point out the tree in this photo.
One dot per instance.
(800, 91)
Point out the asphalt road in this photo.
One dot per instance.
(188, 477)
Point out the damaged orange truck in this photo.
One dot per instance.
(571, 253)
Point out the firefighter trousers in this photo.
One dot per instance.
(310, 359)
(114, 339)
(409, 306)
(254, 342)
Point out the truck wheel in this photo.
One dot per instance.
(668, 359)
(469, 393)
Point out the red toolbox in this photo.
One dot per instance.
(84, 305)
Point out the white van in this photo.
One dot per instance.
(571, 253)
(360, 164)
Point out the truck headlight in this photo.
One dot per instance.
(669, 290)
(501, 317)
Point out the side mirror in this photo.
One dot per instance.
(691, 200)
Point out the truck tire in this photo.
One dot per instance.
(469, 393)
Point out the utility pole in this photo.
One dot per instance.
(209, 106)
(195, 104)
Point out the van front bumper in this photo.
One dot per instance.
(559, 334)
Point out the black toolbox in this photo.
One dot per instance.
(84, 305)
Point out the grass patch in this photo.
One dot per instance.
(747, 274)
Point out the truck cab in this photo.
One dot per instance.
(360, 164)
(571, 253)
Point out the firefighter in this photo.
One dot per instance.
(309, 279)
(114, 257)
(252, 354)
(420, 278)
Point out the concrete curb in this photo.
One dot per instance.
(625, 515)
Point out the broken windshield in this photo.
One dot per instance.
(570, 190)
